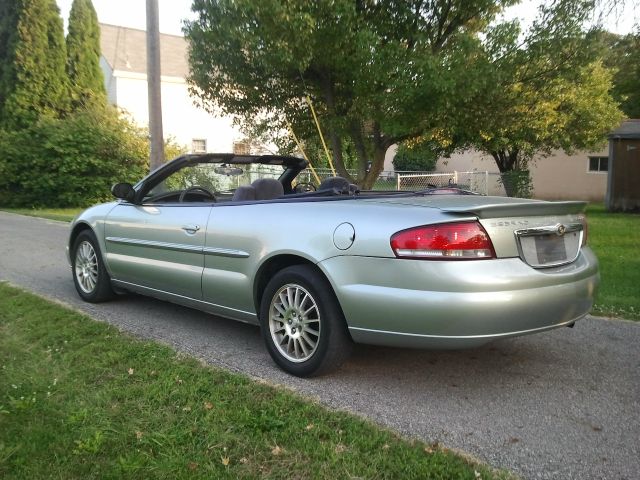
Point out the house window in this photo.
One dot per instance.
(598, 164)
(199, 145)
(241, 148)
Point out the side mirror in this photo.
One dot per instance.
(124, 191)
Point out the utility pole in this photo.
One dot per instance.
(153, 85)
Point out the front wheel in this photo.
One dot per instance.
(302, 323)
(89, 274)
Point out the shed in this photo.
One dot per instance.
(623, 187)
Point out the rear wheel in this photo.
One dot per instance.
(89, 274)
(302, 323)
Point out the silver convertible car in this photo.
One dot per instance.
(249, 238)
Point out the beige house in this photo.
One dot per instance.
(124, 64)
(560, 176)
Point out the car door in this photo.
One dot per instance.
(158, 246)
(230, 260)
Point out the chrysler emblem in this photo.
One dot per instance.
(561, 230)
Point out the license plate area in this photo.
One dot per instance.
(550, 249)
(550, 246)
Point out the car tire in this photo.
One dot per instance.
(90, 276)
(302, 323)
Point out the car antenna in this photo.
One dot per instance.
(326, 150)
(313, 170)
(315, 118)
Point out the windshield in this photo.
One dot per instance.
(215, 177)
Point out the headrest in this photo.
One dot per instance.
(244, 193)
(268, 188)
(339, 183)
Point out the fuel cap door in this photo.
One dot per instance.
(343, 236)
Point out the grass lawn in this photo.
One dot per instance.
(611, 235)
(79, 399)
(614, 237)
(62, 214)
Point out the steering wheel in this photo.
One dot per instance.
(196, 188)
(304, 187)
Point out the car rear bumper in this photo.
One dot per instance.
(457, 304)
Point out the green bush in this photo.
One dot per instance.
(416, 158)
(73, 161)
(517, 183)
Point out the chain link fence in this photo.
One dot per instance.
(484, 183)
(386, 180)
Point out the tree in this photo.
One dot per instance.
(32, 59)
(549, 92)
(622, 54)
(83, 55)
(565, 115)
(377, 73)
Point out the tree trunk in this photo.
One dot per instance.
(380, 146)
(376, 168)
(336, 141)
(361, 151)
(508, 163)
(338, 160)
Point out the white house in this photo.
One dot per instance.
(124, 64)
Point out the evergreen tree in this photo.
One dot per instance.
(8, 20)
(83, 54)
(32, 61)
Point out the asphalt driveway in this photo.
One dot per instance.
(561, 404)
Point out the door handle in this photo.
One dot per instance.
(191, 229)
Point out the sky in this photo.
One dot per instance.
(131, 13)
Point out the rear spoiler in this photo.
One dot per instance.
(519, 209)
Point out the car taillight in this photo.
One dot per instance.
(444, 241)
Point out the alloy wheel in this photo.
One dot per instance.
(294, 323)
(86, 267)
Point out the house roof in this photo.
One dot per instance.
(628, 129)
(126, 49)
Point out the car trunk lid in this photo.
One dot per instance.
(488, 207)
(543, 234)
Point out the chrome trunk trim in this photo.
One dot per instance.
(558, 229)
